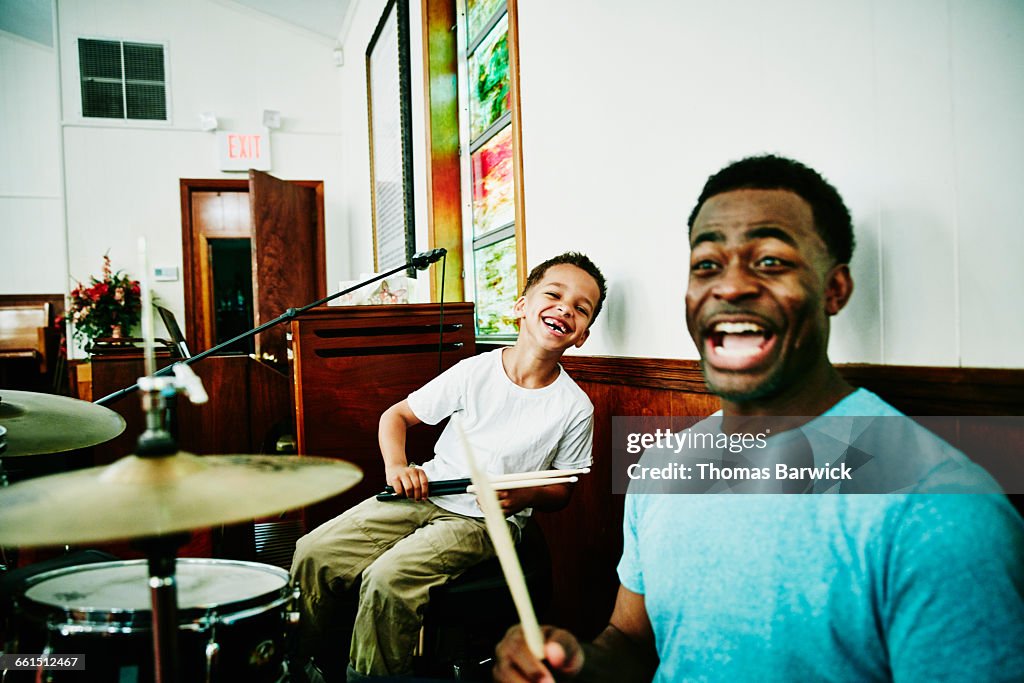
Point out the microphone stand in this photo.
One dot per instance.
(420, 261)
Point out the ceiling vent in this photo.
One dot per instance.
(122, 80)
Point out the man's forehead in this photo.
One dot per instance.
(753, 214)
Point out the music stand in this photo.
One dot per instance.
(171, 324)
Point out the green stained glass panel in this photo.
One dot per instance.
(478, 12)
(489, 80)
(496, 288)
(493, 186)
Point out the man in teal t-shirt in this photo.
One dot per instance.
(923, 584)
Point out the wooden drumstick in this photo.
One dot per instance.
(525, 483)
(497, 527)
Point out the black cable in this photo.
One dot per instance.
(440, 331)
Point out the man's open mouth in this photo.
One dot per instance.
(738, 345)
(556, 325)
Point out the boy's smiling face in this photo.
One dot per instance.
(556, 312)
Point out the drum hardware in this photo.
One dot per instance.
(212, 650)
(161, 492)
(154, 496)
(232, 619)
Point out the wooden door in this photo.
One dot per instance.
(288, 256)
(225, 209)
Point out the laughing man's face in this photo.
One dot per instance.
(759, 293)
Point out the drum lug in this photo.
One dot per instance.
(212, 650)
(292, 618)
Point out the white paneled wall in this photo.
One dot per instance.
(121, 179)
(32, 240)
(914, 109)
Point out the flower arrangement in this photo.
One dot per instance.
(110, 307)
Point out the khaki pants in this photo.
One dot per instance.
(401, 549)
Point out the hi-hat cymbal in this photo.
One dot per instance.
(45, 423)
(150, 496)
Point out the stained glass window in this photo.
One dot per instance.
(496, 288)
(493, 186)
(479, 13)
(489, 80)
(492, 231)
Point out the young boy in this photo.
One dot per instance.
(520, 412)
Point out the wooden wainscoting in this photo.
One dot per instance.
(586, 538)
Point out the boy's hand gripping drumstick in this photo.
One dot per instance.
(497, 527)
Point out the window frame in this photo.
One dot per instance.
(512, 118)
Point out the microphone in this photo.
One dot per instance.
(423, 259)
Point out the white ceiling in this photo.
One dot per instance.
(32, 19)
(326, 17)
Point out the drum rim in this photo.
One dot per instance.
(124, 620)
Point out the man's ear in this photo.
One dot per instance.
(582, 339)
(838, 288)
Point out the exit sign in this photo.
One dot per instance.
(242, 151)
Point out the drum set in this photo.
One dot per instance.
(163, 619)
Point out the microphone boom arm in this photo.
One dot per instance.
(419, 261)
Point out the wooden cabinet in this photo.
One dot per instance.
(353, 362)
(249, 406)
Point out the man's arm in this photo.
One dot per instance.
(405, 479)
(624, 652)
(954, 607)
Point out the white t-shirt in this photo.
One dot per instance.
(511, 429)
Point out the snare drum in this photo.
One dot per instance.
(232, 620)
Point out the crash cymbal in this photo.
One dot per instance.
(45, 423)
(149, 496)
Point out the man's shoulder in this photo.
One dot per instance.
(862, 403)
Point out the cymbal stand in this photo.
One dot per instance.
(161, 554)
(4, 564)
(161, 551)
(157, 442)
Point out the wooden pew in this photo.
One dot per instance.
(26, 333)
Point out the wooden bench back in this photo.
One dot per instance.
(19, 328)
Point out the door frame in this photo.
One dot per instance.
(197, 327)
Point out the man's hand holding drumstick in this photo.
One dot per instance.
(515, 663)
(624, 652)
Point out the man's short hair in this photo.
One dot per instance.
(571, 258)
(770, 172)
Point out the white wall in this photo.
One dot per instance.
(913, 109)
(122, 178)
(32, 240)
